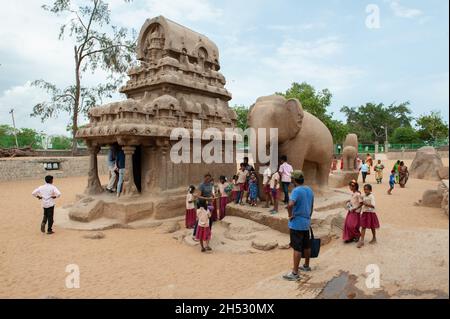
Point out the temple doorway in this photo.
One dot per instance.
(137, 160)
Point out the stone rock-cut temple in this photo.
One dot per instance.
(177, 81)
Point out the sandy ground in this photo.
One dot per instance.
(412, 254)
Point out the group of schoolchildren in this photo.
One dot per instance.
(361, 215)
(212, 199)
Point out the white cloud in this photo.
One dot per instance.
(404, 12)
(320, 48)
(177, 10)
(313, 62)
(22, 98)
(296, 28)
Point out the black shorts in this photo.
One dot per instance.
(300, 239)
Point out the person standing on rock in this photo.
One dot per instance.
(204, 196)
(300, 207)
(285, 171)
(266, 184)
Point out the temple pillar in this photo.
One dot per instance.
(94, 186)
(129, 187)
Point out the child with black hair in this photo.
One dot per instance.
(47, 193)
(253, 189)
(369, 219)
(203, 233)
(223, 196)
(241, 180)
(190, 208)
(391, 182)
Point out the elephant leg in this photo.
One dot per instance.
(323, 172)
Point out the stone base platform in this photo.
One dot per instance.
(106, 211)
(327, 219)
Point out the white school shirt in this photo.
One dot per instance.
(46, 192)
(286, 171)
(266, 175)
(190, 197)
(275, 177)
(369, 199)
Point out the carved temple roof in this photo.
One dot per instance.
(177, 81)
(177, 38)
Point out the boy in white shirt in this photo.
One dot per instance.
(47, 193)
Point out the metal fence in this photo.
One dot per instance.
(370, 148)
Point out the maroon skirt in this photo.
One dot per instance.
(233, 196)
(191, 216)
(351, 226)
(203, 233)
(223, 201)
(214, 210)
(369, 220)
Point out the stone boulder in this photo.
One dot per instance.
(96, 235)
(444, 203)
(169, 227)
(264, 245)
(431, 198)
(342, 178)
(443, 172)
(436, 198)
(427, 164)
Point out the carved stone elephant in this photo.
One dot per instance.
(302, 137)
(350, 152)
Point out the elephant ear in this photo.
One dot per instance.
(250, 112)
(296, 115)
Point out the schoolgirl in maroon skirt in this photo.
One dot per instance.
(203, 233)
(369, 219)
(191, 212)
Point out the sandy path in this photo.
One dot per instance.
(145, 264)
(126, 263)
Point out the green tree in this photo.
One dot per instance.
(317, 103)
(405, 135)
(242, 113)
(26, 137)
(371, 121)
(431, 127)
(6, 136)
(61, 142)
(94, 48)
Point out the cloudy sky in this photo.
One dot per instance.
(264, 46)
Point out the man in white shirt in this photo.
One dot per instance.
(285, 171)
(47, 193)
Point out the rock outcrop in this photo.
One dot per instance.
(437, 198)
(427, 165)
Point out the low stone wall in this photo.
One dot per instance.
(409, 155)
(22, 168)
